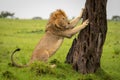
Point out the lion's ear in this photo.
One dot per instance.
(54, 16)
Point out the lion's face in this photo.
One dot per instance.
(59, 20)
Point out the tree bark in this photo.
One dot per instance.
(86, 50)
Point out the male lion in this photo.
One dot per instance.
(58, 28)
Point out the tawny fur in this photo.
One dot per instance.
(58, 28)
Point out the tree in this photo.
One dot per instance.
(5, 14)
(116, 18)
(86, 50)
(37, 18)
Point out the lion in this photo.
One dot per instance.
(57, 28)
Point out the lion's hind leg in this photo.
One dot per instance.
(40, 56)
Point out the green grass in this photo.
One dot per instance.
(25, 34)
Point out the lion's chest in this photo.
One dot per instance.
(50, 43)
(54, 46)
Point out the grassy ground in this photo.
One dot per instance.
(25, 34)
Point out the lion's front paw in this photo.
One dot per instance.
(86, 22)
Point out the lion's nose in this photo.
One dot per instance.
(68, 22)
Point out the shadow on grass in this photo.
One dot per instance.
(33, 31)
(102, 75)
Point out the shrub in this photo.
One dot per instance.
(41, 68)
(8, 75)
(117, 48)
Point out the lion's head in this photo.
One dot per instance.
(58, 21)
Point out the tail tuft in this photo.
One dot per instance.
(18, 49)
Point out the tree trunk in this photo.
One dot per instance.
(86, 50)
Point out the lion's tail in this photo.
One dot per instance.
(14, 63)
